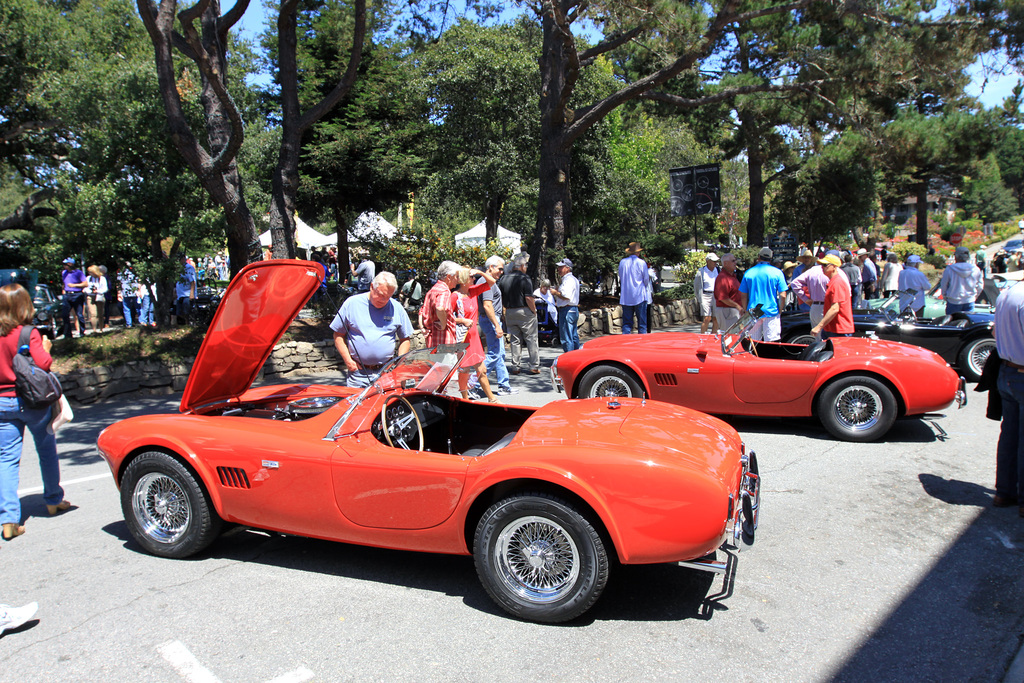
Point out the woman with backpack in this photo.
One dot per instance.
(16, 310)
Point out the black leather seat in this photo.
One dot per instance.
(477, 451)
(817, 352)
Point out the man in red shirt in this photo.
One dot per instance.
(838, 319)
(727, 294)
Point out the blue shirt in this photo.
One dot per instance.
(1009, 324)
(183, 287)
(370, 332)
(762, 284)
(633, 281)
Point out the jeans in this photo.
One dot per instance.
(146, 311)
(495, 358)
(1009, 458)
(130, 306)
(72, 302)
(641, 317)
(360, 378)
(13, 420)
(568, 330)
(952, 308)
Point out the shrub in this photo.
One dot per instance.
(905, 249)
(936, 260)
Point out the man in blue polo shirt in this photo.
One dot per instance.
(367, 327)
(764, 284)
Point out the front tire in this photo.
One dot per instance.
(857, 408)
(608, 380)
(167, 510)
(973, 356)
(539, 559)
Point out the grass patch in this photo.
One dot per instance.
(173, 345)
(117, 347)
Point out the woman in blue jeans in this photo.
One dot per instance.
(16, 310)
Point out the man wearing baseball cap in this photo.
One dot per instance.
(961, 283)
(764, 284)
(567, 301)
(913, 279)
(838, 318)
(704, 290)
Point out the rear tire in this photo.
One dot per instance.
(857, 408)
(167, 510)
(608, 380)
(973, 356)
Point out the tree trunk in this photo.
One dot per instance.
(922, 212)
(216, 169)
(341, 219)
(285, 183)
(554, 205)
(755, 219)
(492, 217)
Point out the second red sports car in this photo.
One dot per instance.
(855, 387)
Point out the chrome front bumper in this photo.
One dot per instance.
(556, 381)
(745, 512)
(961, 393)
(743, 518)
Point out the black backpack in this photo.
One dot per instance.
(36, 387)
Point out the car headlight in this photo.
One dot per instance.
(43, 315)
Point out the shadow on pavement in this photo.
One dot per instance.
(963, 620)
(663, 592)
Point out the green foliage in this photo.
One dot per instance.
(905, 249)
(985, 194)
(746, 256)
(830, 194)
(936, 260)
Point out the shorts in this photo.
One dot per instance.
(706, 300)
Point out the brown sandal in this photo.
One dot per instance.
(12, 531)
(60, 507)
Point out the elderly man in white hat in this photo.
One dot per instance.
(704, 291)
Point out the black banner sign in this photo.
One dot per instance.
(695, 190)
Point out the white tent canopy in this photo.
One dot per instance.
(477, 235)
(305, 236)
(370, 224)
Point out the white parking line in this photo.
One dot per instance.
(69, 482)
(298, 676)
(185, 663)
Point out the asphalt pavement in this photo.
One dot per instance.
(880, 562)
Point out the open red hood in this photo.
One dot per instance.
(258, 306)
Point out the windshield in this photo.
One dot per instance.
(732, 337)
(426, 370)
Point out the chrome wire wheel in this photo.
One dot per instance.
(978, 354)
(610, 386)
(161, 507)
(537, 559)
(858, 407)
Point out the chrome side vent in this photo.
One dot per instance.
(665, 379)
(233, 477)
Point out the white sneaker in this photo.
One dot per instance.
(13, 617)
(502, 391)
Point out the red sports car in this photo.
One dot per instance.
(544, 498)
(856, 387)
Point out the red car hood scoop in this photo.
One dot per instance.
(258, 306)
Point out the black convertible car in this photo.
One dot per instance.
(964, 340)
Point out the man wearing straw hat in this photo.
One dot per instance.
(634, 281)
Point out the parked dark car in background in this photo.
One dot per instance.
(964, 340)
(46, 302)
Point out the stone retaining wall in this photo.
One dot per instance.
(152, 377)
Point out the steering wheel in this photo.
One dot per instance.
(395, 421)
